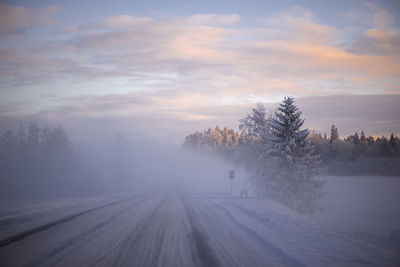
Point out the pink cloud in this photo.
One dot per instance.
(13, 19)
(377, 34)
(203, 55)
(300, 24)
(214, 19)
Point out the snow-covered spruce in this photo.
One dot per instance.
(294, 161)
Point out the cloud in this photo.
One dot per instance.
(15, 20)
(177, 63)
(122, 21)
(381, 18)
(300, 24)
(214, 19)
(381, 38)
(377, 34)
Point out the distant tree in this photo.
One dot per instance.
(363, 139)
(392, 141)
(218, 140)
(257, 124)
(218, 129)
(334, 133)
(370, 140)
(226, 137)
(294, 159)
(256, 131)
(383, 147)
(392, 145)
(235, 138)
(218, 136)
(242, 138)
(314, 135)
(38, 161)
(356, 139)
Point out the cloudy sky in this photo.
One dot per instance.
(163, 69)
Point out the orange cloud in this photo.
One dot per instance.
(203, 59)
(377, 34)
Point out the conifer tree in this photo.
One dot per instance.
(356, 139)
(363, 139)
(294, 160)
(334, 133)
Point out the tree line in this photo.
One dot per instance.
(356, 154)
(275, 150)
(41, 161)
(284, 159)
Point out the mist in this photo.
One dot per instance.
(49, 178)
(58, 168)
(199, 133)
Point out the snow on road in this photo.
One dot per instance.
(17, 216)
(181, 230)
(308, 243)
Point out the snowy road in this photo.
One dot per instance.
(173, 230)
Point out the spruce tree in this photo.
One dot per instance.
(294, 160)
(356, 139)
(363, 139)
(334, 133)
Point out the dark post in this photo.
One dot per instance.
(231, 177)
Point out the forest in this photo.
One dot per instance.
(284, 160)
(355, 154)
(41, 161)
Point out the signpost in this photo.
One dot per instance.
(231, 177)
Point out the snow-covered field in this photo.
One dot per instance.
(362, 203)
(175, 229)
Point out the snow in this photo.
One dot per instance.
(178, 228)
(302, 239)
(362, 203)
(17, 216)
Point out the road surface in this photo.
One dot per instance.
(161, 230)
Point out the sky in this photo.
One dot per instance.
(163, 69)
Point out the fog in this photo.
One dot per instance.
(142, 164)
(199, 133)
(41, 161)
(44, 162)
(59, 190)
(363, 204)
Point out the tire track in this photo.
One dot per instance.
(205, 255)
(20, 236)
(252, 234)
(76, 239)
(132, 243)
